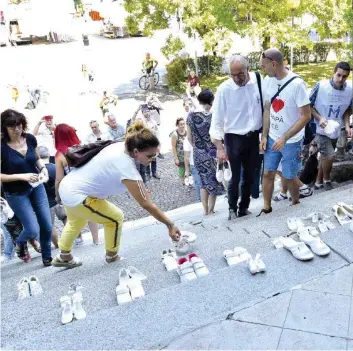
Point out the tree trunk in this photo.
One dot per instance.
(266, 41)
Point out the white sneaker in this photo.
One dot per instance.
(186, 181)
(191, 181)
(23, 289)
(186, 270)
(182, 246)
(34, 286)
(219, 173)
(79, 241)
(227, 172)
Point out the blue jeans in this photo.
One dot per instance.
(289, 156)
(32, 209)
(197, 181)
(8, 243)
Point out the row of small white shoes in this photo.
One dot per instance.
(71, 305)
(29, 287)
(343, 213)
(191, 267)
(224, 172)
(239, 255)
(322, 221)
(130, 285)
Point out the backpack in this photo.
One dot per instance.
(79, 155)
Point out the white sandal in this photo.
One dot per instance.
(59, 262)
(67, 311)
(78, 310)
(294, 224)
(317, 246)
(134, 273)
(348, 209)
(298, 249)
(34, 286)
(191, 237)
(219, 172)
(122, 291)
(341, 215)
(322, 227)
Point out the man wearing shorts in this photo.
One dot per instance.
(331, 99)
(287, 111)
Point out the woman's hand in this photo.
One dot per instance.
(44, 171)
(29, 177)
(174, 233)
(177, 163)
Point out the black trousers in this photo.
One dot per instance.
(147, 169)
(243, 152)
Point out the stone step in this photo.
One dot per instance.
(142, 246)
(155, 320)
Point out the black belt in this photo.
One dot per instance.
(251, 133)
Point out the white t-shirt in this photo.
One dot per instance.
(284, 110)
(100, 177)
(188, 147)
(45, 138)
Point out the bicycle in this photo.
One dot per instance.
(144, 81)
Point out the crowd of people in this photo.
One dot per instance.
(235, 141)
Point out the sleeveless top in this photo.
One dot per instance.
(180, 145)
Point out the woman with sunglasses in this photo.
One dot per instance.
(113, 171)
(20, 168)
(65, 137)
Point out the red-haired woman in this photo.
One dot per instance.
(65, 137)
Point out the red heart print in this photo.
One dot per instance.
(277, 105)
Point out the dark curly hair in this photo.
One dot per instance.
(12, 118)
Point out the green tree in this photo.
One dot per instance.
(214, 20)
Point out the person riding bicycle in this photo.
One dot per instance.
(149, 64)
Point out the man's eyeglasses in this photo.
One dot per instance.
(266, 57)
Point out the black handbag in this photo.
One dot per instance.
(79, 155)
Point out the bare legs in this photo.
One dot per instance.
(208, 202)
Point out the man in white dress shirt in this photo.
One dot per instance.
(96, 134)
(237, 119)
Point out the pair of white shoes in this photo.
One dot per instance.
(130, 285)
(189, 181)
(224, 172)
(300, 250)
(191, 267)
(185, 242)
(5, 211)
(71, 305)
(29, 287)
(343, 213)
(324, 224)
(239, 255)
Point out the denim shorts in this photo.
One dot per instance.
(289, 156)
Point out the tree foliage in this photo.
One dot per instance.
(268, 20)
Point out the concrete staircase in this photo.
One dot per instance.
(170, 309)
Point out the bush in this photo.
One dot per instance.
(303, 55)
(178, 71)
(209, 65)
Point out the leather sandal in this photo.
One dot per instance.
(59, 262)
(265, 211)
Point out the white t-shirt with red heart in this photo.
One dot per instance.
(284, 110)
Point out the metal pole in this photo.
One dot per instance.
(196, 63)
(291, 46)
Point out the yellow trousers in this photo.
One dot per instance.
(95, 210)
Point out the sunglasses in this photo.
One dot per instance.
(17, 126)
(151, 157)
(266, 57)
